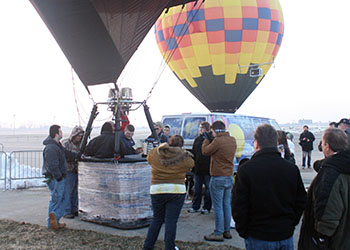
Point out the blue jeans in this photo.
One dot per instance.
(220, 191)
(72, 193)
(166, 207)
(308, 154)
(255, 244)
(199, 180)
(57, 204)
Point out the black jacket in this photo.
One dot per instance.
(202, 162)
(327, 214)
(269, 197)
(54, 155)
(103, 145)
(306, 141)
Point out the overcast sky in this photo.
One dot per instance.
(308, 81)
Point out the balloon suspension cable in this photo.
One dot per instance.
(75, 97)
(178, 41)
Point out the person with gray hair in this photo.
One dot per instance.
(327, 215)
(269, 195)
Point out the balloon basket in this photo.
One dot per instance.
(115, 195)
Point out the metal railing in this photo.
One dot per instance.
(21, 169)
(3, 168)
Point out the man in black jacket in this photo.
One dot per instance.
(306, 141)
(201, 173)
(269, 195)
(55, 170)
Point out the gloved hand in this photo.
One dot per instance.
(206, 135)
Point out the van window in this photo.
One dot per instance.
(175, 125)
(191, 127)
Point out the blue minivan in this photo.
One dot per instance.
(241, 127)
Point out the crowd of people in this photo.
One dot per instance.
(266, 197)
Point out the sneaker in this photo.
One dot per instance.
(204, 211)
(227, 235)
(192, 210)
(176, 248)
(68, 216)
(53, 221)
(214, 237)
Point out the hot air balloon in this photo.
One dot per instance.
(98, 37)
(221, 49)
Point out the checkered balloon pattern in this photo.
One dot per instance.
(222, 37)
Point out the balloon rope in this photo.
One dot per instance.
(169, 56)
(75, 97)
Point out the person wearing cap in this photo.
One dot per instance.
(306, 141)
(72, 144)
(344, 124)
(222, 151)
(158, 126)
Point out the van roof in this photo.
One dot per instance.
(216, 113)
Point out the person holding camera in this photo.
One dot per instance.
(222, 150)
(201, 172)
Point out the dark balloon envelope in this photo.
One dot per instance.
(98, 37)
(221, 49)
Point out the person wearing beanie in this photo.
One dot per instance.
(221, 150)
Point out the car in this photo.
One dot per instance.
(242, 127)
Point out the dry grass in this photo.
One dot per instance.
(16, 235)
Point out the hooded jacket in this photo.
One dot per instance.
(72, 166)
(222, 151)
(55, 164)
(169, 164)
(327, 214)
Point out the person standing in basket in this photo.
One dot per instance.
(169, 164)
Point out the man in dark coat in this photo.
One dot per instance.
(55, 171)
(306, 141)
(201, 173)
(269, 195)
(102, 146)
(344, 124)
(326, 221)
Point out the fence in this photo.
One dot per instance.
(21, 169)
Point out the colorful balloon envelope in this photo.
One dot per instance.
(221, 49)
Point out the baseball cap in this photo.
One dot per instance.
(345, 121)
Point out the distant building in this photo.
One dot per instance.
(304, 122)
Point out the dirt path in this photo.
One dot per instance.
(21, 235)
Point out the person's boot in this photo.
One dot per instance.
(214, 237)
(53, 221)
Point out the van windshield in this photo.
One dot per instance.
(191, 127)
(175, 125)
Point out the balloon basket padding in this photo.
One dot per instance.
(115, 194)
